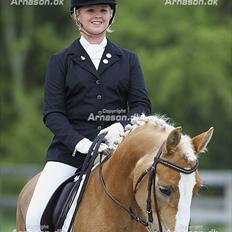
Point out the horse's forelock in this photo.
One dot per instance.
(187, 148)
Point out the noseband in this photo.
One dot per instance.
(151, 171)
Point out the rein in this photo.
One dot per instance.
(132, 214)
(85, 170)
(151, 171)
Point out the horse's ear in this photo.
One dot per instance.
(173, 139)
(201, 141)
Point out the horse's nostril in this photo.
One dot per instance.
(202, 189)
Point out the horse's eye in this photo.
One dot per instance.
(165, 191)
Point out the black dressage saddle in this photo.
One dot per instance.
(61, 201)
(53, 211)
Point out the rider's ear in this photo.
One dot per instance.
(201, 141)
(173, 140)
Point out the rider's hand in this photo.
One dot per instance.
(82, 146)
(103, 147)
(114, 133)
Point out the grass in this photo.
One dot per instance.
(207, 228)
(7, 221)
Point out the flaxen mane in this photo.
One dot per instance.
(164, 123)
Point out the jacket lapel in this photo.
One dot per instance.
(111, 55)
(81, 57)
(78, 54)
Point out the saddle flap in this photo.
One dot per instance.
(54, 206)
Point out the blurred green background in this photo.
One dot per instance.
(185, 52)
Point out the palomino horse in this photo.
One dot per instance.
(121, 191)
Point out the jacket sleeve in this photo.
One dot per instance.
(138, 100)
(55, 117)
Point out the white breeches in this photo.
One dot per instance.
(53, 174)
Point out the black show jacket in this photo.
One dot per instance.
(76, 95)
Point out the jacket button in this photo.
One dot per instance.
(105, 61)
(98, 82)
(108, 55)
(99, 127)
(99, 97)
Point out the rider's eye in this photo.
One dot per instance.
(165, 190)
(103, 10)
(90, 10)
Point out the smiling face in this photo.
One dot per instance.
(94, 20)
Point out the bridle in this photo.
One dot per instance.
(151, 171)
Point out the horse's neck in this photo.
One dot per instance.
(119, 170)
(118, 173)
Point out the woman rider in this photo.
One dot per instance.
(90, 87)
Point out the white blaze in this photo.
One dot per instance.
(186, 184)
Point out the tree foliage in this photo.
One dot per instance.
(185, 52)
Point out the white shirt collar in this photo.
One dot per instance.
(94, 51)
(85, 44)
